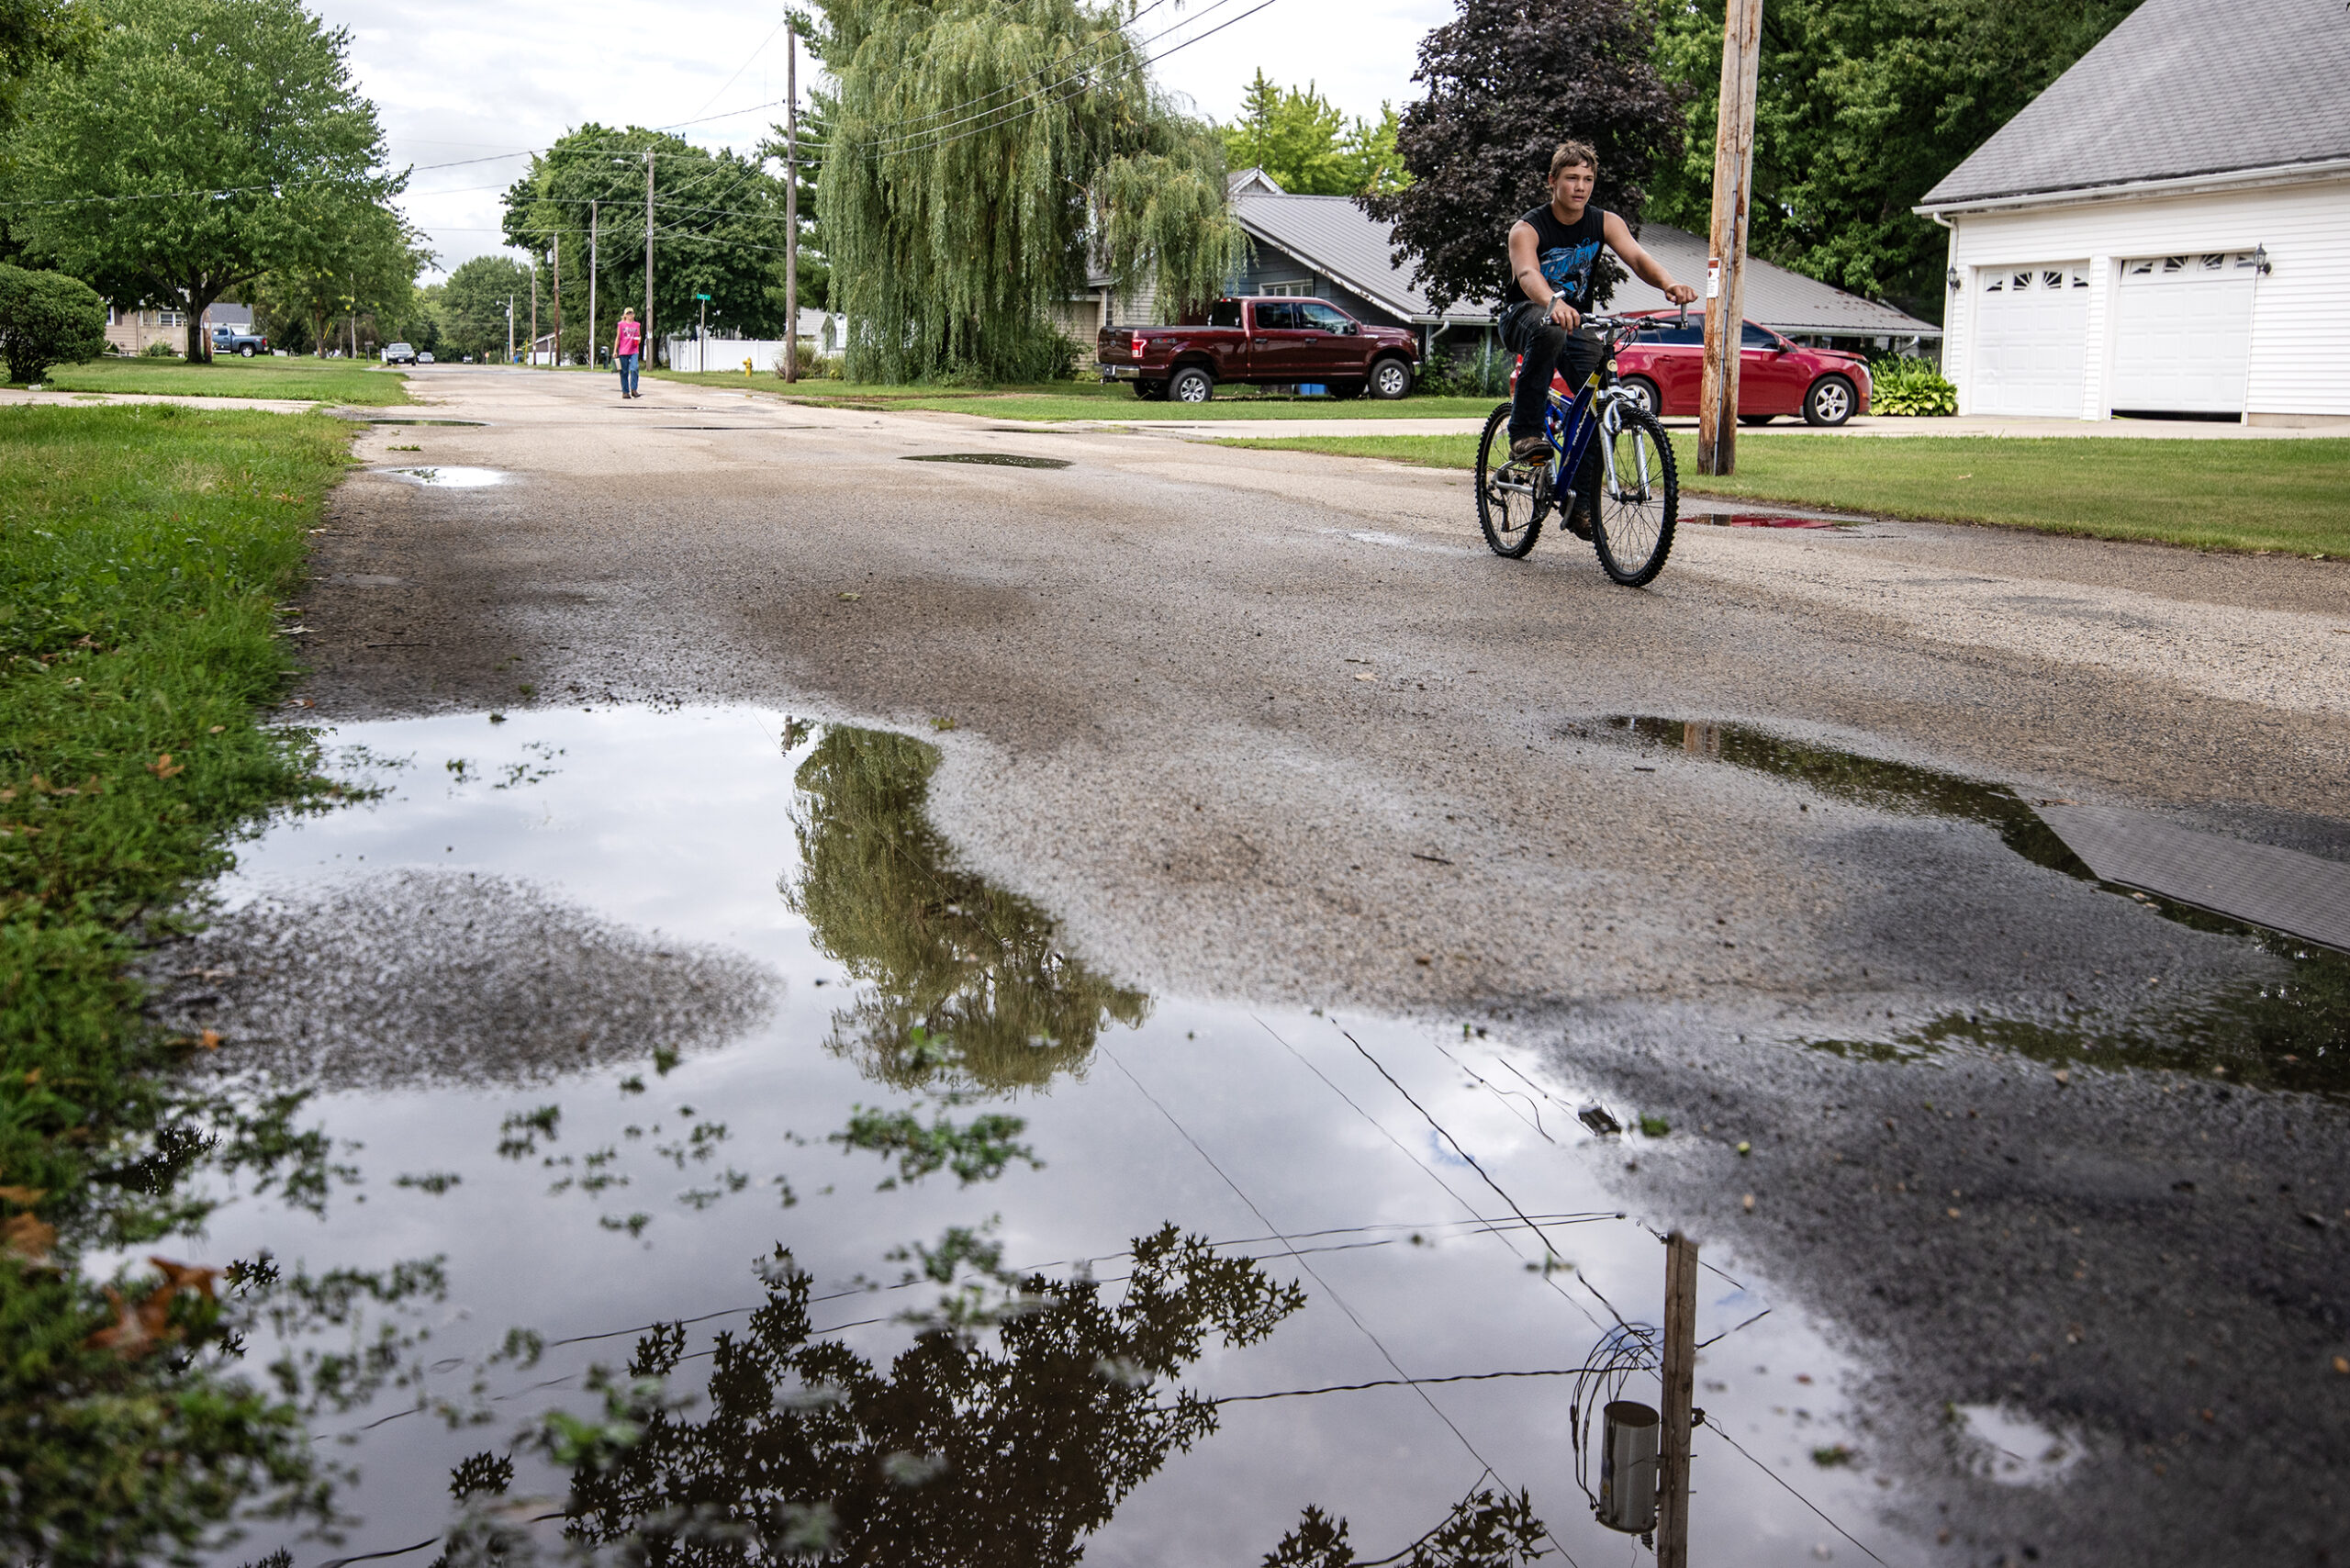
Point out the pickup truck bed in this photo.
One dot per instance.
(1277, 341)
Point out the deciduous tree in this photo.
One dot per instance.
(200, 144)
(981, 153)
(473, 302)
(1862, 105)
(1306, 144)
(1506, 82)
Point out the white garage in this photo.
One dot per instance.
(2031, 329)
(2149, 237)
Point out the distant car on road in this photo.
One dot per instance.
(424, 358)
(1280, 339)
(398, 353)
(1664, 364)
(229, 340)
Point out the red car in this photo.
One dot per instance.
(1663, 363)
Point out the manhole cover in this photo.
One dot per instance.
(994, 459)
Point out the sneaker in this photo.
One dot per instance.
(1579, 520)
(1527, 448)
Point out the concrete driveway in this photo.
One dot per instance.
(1278, 727)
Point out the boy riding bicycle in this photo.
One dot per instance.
(1553, 263)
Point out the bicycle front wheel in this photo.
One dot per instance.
(1638, 500)
(1510, 501)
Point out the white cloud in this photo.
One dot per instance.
(457, 79)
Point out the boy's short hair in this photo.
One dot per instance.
(1570, 153)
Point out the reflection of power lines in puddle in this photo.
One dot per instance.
(1623, 1349)
(1402, 1377)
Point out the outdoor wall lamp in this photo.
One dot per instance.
(1951, 277)
(2260, 260)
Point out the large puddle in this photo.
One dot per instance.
(704, 1156)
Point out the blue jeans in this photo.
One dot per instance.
(628, 374)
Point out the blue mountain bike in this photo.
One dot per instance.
(1625, 497)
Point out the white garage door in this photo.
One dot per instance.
(2031, 329)
(2182, 330)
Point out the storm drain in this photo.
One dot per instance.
(993, 459)
(2259, 883)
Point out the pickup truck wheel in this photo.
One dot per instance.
(1390, 379)
(247, 351)
(1191, 386)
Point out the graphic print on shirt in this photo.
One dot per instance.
(1567, 269)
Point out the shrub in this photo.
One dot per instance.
(166, 349)
(1483, 374)
(1910, 386)
(47, 319)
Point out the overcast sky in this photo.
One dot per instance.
(468, 79)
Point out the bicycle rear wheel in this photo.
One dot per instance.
(1511, 497)
(1635, 512)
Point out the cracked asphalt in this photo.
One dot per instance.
(1275, 726)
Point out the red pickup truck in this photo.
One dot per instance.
(1275, 340)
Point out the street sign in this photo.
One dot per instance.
(701, 297)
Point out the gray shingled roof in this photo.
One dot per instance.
(1335, 236)
(2182, 87)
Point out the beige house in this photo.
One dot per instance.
(130, 332)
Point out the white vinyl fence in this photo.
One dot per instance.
(765, 353)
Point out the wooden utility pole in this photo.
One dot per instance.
(591, 283)
(1679, 1373)
(791, 209)
(647, 361)
(1726, 253)
(558, 299)
(532, 357)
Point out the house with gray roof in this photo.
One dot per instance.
(1326, 247)
(2165, 230)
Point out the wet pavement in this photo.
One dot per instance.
(1333, 862)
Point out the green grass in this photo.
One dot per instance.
(2289, 496)
(143, 553)
(312, 380)
(1084, 400)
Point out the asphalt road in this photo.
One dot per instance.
(1277, 727)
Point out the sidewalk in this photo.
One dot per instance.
(1863, 425)
(20, 398)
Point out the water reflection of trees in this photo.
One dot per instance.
(961, 980)
(1004, 1437)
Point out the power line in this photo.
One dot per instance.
(1799, 1497)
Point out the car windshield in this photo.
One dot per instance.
(399, 348)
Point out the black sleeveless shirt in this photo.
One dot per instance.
(1568, 254)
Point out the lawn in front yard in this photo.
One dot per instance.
(1086, 400)
(312, 380)
(2288, 495)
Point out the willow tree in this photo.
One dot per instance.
(982, 154)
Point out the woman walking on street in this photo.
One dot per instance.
(628, 348)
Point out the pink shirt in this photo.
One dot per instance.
(632, 337)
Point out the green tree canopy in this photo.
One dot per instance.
(47, 319)
(368, 269)
(982, 154)
(473, 301)
(200, 144)
(1306, 144)
(1862, 105)
(1507, 81)
(717, 221)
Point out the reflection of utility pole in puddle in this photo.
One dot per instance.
(1701, 740)
(1644, 1458)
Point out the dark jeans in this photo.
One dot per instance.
(1527, 330)
(628, 374)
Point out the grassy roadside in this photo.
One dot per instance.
(144, 552)
(312, 380)
(1084, 400)
(2290, 496)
